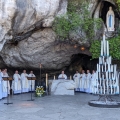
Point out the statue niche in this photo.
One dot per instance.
(110, 20)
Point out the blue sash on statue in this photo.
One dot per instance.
(110, 21)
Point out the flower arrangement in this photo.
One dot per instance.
(39, 91)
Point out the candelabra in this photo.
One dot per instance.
(107, 79)
(106, 75)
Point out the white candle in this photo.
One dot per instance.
(113, 77)
(107, 48)
(111, 68)
(106, 60)
(104, 44)
(70, 77)
(100, 61)
(97, 74)
(114, 89)
(106, 75)
(101, 89)
(46, 80)
(114, 70)
(97, 68)
(104, 89)
(110, 60)
(101, 48)
(100, 81)
(109, 75)
(107, 88)
(111, 89)
(105, 66)
(117, 83)
(102, 68)
(103, 60)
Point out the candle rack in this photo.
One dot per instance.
(107, 79)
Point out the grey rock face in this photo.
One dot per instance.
(19, 17)
(40, 47)
(29, 23)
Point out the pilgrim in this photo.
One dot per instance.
(31, 82)
(25, 84)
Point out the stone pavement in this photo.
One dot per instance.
(56, 108)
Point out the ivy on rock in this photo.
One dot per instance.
(114, 48)
(77, 20)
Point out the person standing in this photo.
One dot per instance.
(62, 76)
(93, 82)
(88, 81)
(31, 82)
(82, 81)
(16, 84)
(76, 78)
(25, 84)
(5, 84)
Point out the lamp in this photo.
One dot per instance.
(82, 48)
(75, 46)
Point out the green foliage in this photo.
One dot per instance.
(118, 3)
(77, 17)
(95, 49)
(114, 44)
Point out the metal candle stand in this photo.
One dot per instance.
(107, 80)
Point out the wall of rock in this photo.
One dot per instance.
(28, 24)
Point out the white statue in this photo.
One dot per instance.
(110, 19)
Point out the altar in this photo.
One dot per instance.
(62, 87)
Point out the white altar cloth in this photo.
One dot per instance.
(62, 87)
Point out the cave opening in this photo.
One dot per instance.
(81, 62)
(104, 9)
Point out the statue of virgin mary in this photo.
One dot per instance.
(110, 20)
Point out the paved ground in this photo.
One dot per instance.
(56, 108)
